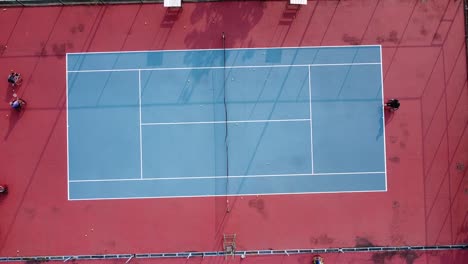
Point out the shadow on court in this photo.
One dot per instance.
(170, 17)
(388, 115)
(13, 116)
(219, 18)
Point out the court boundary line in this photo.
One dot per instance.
(257, 48)
(224, 195)
(383, 118)
(230, 67)
(139, 109)
(215, 67)
(233, 176)
(224, 122)
(239, 253)
(310, 121)
(68, 139)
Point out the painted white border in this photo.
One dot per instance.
(258, 48)
(257, 66)
(310, 120)
(139, 125)
(234, 176)
(225, 122)
(68, 141)
(383, 117)
(235, 67)
(223, 195)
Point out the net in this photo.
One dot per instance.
(226, 143)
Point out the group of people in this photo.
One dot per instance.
(14, 79)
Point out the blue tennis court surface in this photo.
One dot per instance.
(191, 123)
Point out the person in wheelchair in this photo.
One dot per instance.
(17, 104)
(14, 78)
(392, 104)
(317, 260)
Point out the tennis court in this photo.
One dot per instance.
(75, 166)
(225, 122)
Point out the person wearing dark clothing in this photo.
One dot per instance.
(393, 104)
(14, 78)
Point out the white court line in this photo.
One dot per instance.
(224, 122)
(310, 117)
(258, 48)
(233, 67)
(310, 65)
(223, 195)
(383, 118)
(68, 144)
(234, 176)
(139, 107)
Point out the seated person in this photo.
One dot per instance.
(17, 103)
(393, 104)
(14, 78)
(317, 260)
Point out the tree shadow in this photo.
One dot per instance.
(234, 19)
(170, 17)
(237, 19)
(289, 14)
